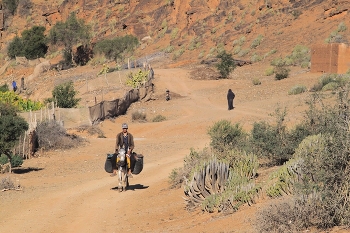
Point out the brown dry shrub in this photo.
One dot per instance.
(6, 183)
(293, 215)
(92, 130)
(52, 135)
(138, 116)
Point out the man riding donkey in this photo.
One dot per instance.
(124, 140)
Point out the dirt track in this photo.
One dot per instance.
(69, 191)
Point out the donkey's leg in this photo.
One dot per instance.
(120, 180)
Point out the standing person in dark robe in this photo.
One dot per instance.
(230, 97)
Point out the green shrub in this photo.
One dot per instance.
(159, 118)
(256, 81)
(138, 116)
(176, 178)
(255, 58)
(273, 141)
(226, 64)
(269, 71)
(299, 56)
(281, 72)
(34, 42)
(256, 42)
(16, 48)
(174, 33)
(136, 80)
(330, 86)
(342, 27)
(169, 49)
(237, 49)
(3, 159)
(116, 48)
(225, 136)
(64, 95)
(16, 161)
(297, 90)
(331, 82)
(243, 52)
(4, 88)
(70, 33)
(178, 53)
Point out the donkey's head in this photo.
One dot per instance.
(121, 155)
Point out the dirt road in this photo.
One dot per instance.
(69, 191)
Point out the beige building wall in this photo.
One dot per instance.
(343, 59)
(330, 58)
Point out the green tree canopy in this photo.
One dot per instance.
(70, 33)
(226, 64)
(117, 47)
(32, 44)
(11, 128)
(16, 48)
(65, 95)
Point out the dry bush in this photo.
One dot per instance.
(159, 118)
(52, 135)
(293, 215)
(92, 130)
(6, 183)
(138, 116)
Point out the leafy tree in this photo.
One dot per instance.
(64, 95)
(11, 5)
(226, 64)
(11, 128)
(34, 42)
(16, 48)
(117, 47)
(68, 34)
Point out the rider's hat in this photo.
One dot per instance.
(124, 126)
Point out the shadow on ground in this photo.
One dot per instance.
(23, 170)
(132, 187)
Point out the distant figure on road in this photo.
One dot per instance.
(14, 85)
(230, 97)
(167, 95)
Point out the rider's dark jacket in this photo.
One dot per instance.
(120, 142)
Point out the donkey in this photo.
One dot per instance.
(122, 171)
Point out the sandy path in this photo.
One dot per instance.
(70, 192)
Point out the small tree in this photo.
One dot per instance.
(34, 42)
(64, 96)
(116, 48)
(226, 65)
(11, 128)
(68, 34)
(16, 48)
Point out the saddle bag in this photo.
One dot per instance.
(110, 163)
(136, 163)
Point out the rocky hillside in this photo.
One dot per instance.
(190, 30)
